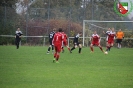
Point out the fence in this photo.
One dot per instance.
(38, 17)
(43, 41)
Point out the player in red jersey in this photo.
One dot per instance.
(95, 40)
(57, 42)
(110, 38)
(64, 42)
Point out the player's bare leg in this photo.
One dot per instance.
(57, 57)
(91, 47)
(74, 47)
(101, 48)
(111, 45)
(68, 47)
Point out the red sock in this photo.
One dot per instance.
(57, 57)
(62, 48)
(69, 49)
(101, 48)
(107, 48)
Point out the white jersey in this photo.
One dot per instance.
(107, 33)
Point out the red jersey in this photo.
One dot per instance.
(111, 37)
(95, 39)
(65, 36)
(58, 38)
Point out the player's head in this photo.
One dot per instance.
(60, 30)
(113, 29)
(54, 29)
(109, 29)
(119, 29)
(18, 28)
(95, 32)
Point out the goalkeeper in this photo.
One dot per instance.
(119, 37)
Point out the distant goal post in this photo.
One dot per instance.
(91, 22)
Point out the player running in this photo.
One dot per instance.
(107, 33)
(95, 40)
(18, 35)
(76, 43)
(51, 36)
(57, 42)
(110, 38)
(64, 42)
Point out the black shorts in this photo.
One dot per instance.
(76, 43)
(118, 40)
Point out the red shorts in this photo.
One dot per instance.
(110, 41)
(57, 48)
(95, 43)
(65, 43)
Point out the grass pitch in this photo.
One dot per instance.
(31, 67)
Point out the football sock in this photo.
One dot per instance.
(107, 48)
(79, 50)
(73, 48)
(62, 48)
(52, 47)
(57, 57)
(101, 48)
(68, 49)
(49, 48)
(120, 46)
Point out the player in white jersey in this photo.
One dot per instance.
(51, 36)
(18, 35)
(107, 34)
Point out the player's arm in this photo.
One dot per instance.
(15, 35)
(104, 32)
(21, 34)
(107, 38)
(66, 37)
(115, 37)
(91, 39)
(116, 34)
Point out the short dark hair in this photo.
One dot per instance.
(60, 29)
(54, 29)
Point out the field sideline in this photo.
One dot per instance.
(31, 67)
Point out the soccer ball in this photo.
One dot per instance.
(106, 52)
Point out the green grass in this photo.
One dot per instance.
(31, 67)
